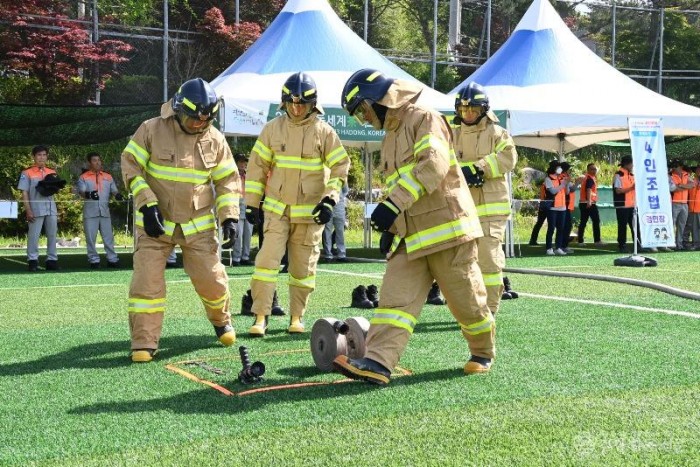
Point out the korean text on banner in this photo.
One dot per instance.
(653, 195)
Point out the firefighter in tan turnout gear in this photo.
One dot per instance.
(486, 153)
(299, 165)
(429, 226)
(183, 177)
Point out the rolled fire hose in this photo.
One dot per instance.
(356, 335)
(327, 342)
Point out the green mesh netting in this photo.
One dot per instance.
(63, 125)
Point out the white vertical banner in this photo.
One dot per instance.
(652, 191)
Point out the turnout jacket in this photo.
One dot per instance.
(489, 147)
(295, 165)
(187, 175)
(103, 183)
(423, 177)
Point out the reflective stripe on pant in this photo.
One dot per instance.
(492, 260)
(50, 225)
(147, 291)
(302, 242)
(402, 296)
(91, 225)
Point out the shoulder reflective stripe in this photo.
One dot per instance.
(335, 156)
(140, 154)
(273, 205)
(137, 185)
(144, 305)
(251, 186)
(493, 279)
(306, 282)
(196, 177)
(265, 275)
(223, 170)
(441, 233)
(492, 161)
(397, 318)
(431, 141)
(485, 325)
(335, 183)
(300, 210)
(493, 209)
(263, 151)
(215, 304)
(299, 163)
(229, 199)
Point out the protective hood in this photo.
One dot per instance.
(166, 110)
(400, 92)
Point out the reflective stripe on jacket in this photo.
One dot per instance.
(437, 211)
(489, 147)
(295, 165)
(187, 175)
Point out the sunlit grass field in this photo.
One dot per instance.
(587, 373)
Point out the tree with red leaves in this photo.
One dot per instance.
(38, 42)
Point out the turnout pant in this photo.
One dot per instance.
(405, 286)
(492, 260)
(91, 225)
(586, 213)
(302, 244)
(147, 292)
(50, 225)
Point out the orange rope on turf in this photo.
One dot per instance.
(192, 377)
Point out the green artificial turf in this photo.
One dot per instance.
(577, 381)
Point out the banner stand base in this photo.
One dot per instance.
(635, 261)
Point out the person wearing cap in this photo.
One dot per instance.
(429, 228)
(241, 247)
(183, 178)
(679, 184)
(624, 201)
(40, 210)
(299, 164)
(556, 188)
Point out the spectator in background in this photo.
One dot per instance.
(171, 261)
(571, 188)
(241, 247)
(680, 184)
(555, 189)
(624, 200)
(40, 209)
(588, 205)
(96, 187)
(542, 211)
(336, 229)
(693, 226)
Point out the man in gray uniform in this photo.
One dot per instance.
(96, 187)
(39, 209)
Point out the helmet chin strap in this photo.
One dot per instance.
(380, 111)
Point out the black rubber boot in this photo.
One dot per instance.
(507, 290)
(373, 295)
(434, 297)
(359, 298)
(247, 304)
(276, 310)
(364, 369)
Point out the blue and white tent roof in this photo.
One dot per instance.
(552, 84)
(308, 36)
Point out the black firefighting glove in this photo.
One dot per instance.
(92, 195)
(323, 212)
(229, 229)
(152, 220)
(119, 197)
(384, 215)
(385, 242)
(252, 215)
(474, 175)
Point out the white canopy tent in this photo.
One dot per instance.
(560, 96)
(306, 36)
